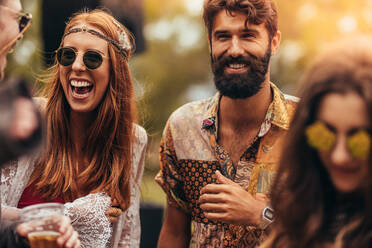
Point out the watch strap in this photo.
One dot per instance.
(267, 217)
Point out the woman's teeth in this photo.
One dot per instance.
(81, 88)
(75, 83)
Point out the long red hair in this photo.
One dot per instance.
(108, 147)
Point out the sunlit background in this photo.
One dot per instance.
(174, 68)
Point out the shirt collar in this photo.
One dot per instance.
(277, 113)
(278, 108)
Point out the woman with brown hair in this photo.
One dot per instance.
(322, 195)
(94, 155)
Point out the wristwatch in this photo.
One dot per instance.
(267, 217)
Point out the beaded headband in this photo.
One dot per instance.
(123, 45)
(122, 36)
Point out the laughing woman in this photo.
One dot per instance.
(323, 192)
(94, 154)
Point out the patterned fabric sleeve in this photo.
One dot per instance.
(169, 176)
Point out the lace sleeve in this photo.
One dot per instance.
(14, 178)
(131, 226)
(7, 175)
(88, 218)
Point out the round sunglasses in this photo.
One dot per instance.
(66, 56)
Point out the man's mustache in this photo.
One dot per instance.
(228, 59)
(251, 61)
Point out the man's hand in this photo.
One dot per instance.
(69, 238)
(229, 203)
(113, 213)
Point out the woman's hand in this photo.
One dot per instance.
(113, 213)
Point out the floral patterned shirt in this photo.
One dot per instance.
(190, 155)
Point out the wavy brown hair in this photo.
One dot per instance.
(257, 11)
(303, 195)
(108, 146)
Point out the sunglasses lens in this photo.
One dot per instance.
(92, 60)
(320, 137)
(23, 21)
(66, 56)
(359, 144)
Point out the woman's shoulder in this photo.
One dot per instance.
(140, 134)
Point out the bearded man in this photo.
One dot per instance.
(218, 155)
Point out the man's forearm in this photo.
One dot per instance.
(176, 229)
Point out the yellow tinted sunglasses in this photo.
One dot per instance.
(320, 137)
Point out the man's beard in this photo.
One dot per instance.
(241, 85)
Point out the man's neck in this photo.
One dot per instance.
(249, 112)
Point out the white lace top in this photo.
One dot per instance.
(87, 213)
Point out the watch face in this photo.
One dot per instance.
(269, 214)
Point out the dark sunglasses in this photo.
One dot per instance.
(66, 56)
(24, 22)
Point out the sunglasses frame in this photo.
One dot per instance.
(76, 53)
(22, 27)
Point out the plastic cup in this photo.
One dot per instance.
(45, 226)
